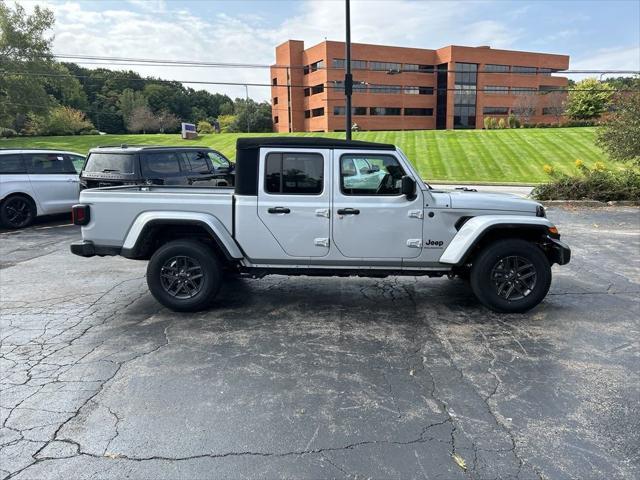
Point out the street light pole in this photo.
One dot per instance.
(348, 79)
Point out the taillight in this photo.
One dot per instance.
(80, 214)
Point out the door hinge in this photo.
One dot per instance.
(322, 212)
(321, 242)
(414, 243)
(416, 213)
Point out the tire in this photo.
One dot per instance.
(184, 275)
(17, 211)
(511, 276)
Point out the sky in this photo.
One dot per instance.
(603, 34)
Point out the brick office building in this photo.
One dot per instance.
(397, 88)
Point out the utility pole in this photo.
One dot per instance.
(348, 79)
(246, 89)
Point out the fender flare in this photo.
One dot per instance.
(474, 229)
(210, 223)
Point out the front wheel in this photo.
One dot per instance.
(511, 276)
(184, 275)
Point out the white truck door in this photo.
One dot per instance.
(294, 197)
(371, 218)
(54, 181)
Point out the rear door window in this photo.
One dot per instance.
(162, 164)
(294, 173)
(110, 163)
(48, 163)
(12, 163)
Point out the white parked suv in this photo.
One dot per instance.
(36, 182)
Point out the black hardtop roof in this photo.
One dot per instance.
(248, 143)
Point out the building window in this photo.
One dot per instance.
(305, 69)
(385, 66)
(317, 112)
(464, 115)
(418, 90)
(341, 110)
(496, 90)
(524, 70)
(274, 81)
(307, 92)
(307, 114)
(317, 89)
(313, 67)
(355, 64)
(276, 119)
(385, 111)
(275, 100)
(551, 88)
(418, 112)
(385, 89)
(495, 111)
(294, 173)
(490, 67)
(523, 90)
(546, 71)
(414, 67)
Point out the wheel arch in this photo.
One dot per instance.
(150, 230)
(479, 231)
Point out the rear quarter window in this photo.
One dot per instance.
(12, 163)
(111, 163)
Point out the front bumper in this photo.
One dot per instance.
(559, 252)
(86, 248)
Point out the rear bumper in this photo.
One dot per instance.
(86, 248)
(559, 252)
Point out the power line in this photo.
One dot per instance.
(186, 63)
(252, 84)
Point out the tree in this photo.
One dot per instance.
(167, 122)
(589, 99)
(24, 51)
(620, 133)
(226, 123)
(143, 120)
(128, 101)
(555, 104)
(205, 127)
(524, 108)
(252, 116)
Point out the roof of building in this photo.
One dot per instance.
(309, 142)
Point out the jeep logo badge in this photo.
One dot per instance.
(433, 243)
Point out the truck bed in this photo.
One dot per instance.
(118, 207)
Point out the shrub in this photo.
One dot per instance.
(579, 123)
(595, 183)
(226, 123)
(7, 132)
(487, 123)
(502, 123)
(494, 123)
(90, 132)
(205, 127)
(59, 121)
(513, 121)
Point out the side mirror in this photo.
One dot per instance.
(408, 187)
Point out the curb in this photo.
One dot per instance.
(590, 203)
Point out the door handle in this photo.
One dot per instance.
(348, 211)
(279, 210)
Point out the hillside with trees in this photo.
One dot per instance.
(41, 96)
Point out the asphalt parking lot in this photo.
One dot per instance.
(320, 378)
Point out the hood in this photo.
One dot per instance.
(491, 201)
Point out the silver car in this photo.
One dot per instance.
(37, 182)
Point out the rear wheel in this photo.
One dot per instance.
(511, 276)
(17, 211)
(184, 275)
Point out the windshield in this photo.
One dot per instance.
(110, 163)
(218, 160)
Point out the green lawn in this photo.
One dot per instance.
(504, 156)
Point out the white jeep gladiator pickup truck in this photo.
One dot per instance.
(320, 206)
